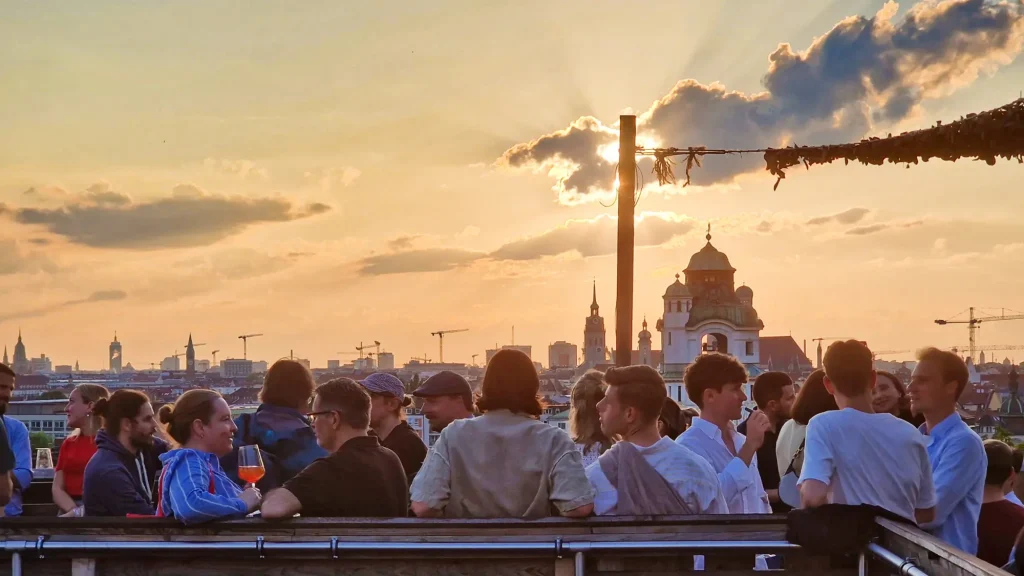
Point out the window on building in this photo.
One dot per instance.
(669, 338)
(750, 348)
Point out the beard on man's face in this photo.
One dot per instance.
(140, 440)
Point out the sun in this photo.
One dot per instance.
(610, 152)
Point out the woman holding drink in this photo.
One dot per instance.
(193, 487)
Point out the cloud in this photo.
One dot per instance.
(587, 238)
(240, 168)
(104, 218)
(330, 179)
(425, 260)
(100, 296)
(402, 242)
(873, 228)
(851, 216)
(15, 261)
(864, 70)
(595, 237)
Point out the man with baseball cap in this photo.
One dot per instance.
(447, 397)
(387, 420)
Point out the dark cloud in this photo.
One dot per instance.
(864, 68)
(100, 296)
(851, 216)
(402, 242)
(105, 218)
(587, 238)
(764, 227)
(40, 241)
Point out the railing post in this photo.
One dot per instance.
(581, 564)
(16, 564)
(862, 564)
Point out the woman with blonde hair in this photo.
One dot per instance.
(584, 421)
(77, 448)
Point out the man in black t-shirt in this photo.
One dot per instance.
(387, 421)
(359, 478)
(774, 394)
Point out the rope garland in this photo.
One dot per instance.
(997, 133)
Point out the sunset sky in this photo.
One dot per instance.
(334, 172)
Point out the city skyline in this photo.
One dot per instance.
(308, 175)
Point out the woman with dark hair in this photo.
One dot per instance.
(584, 421)
(674, 419)
(279, 427)
(505, 463)
(812, 399)
(193, 487)
(889, 396)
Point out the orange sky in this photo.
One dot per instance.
(330, 173)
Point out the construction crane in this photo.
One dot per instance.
(989, 348)
(423, 359)
(375, 344)
(973, 325)
(215, 357)
(245, 344)
(474, 359)
(440, 340)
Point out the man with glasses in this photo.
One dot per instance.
(358, 478)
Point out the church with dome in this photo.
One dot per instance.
(706, 312)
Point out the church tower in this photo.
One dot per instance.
(190, 360)
(6, 361)
(645, 347)
(594, 351)
(115, 355)
(20, 365)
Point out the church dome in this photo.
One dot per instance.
(745, 295)
(645, 334)
(677, 290)
(709, 258)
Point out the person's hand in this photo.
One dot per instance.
(757, 425)
(252, 498)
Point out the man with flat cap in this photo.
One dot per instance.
(387, 420)
(447, 397)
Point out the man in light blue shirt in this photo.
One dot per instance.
(956, 452)
(17, 437)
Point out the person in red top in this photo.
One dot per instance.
(1000, 520)
(77, 448)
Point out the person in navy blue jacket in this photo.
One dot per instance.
(193, 487)
(120, 478)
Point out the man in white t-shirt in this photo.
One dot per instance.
(646, 473)
(859, 457)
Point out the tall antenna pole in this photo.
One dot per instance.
(624, 261)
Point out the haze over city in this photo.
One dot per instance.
(328, 174)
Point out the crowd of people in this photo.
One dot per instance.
(849, 435)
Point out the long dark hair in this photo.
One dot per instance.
(510, 383)
(120, 405)
(812, 399)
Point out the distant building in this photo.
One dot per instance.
(333, 364)
(260, 367)
(562, 354)
(708, 313)
(115, 355)
(41, 365)
(364, 364)
(171, 363)
(46, 416)
(64, 369)
(386, 361)
(190, 360)
(528, 350)
(20, 364)
(303, 361)
(595, 352)
(202, 365)
(783, 354)
(236, 368)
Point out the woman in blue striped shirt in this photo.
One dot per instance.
(193, 487)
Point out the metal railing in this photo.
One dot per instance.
(335, 547)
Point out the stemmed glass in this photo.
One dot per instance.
(250, 464)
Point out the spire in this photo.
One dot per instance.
(115, 335)
(593, 305)
(189, 338)
(19, 335)
(709, 233)
(645, 322)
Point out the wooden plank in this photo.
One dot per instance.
(931, 554)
